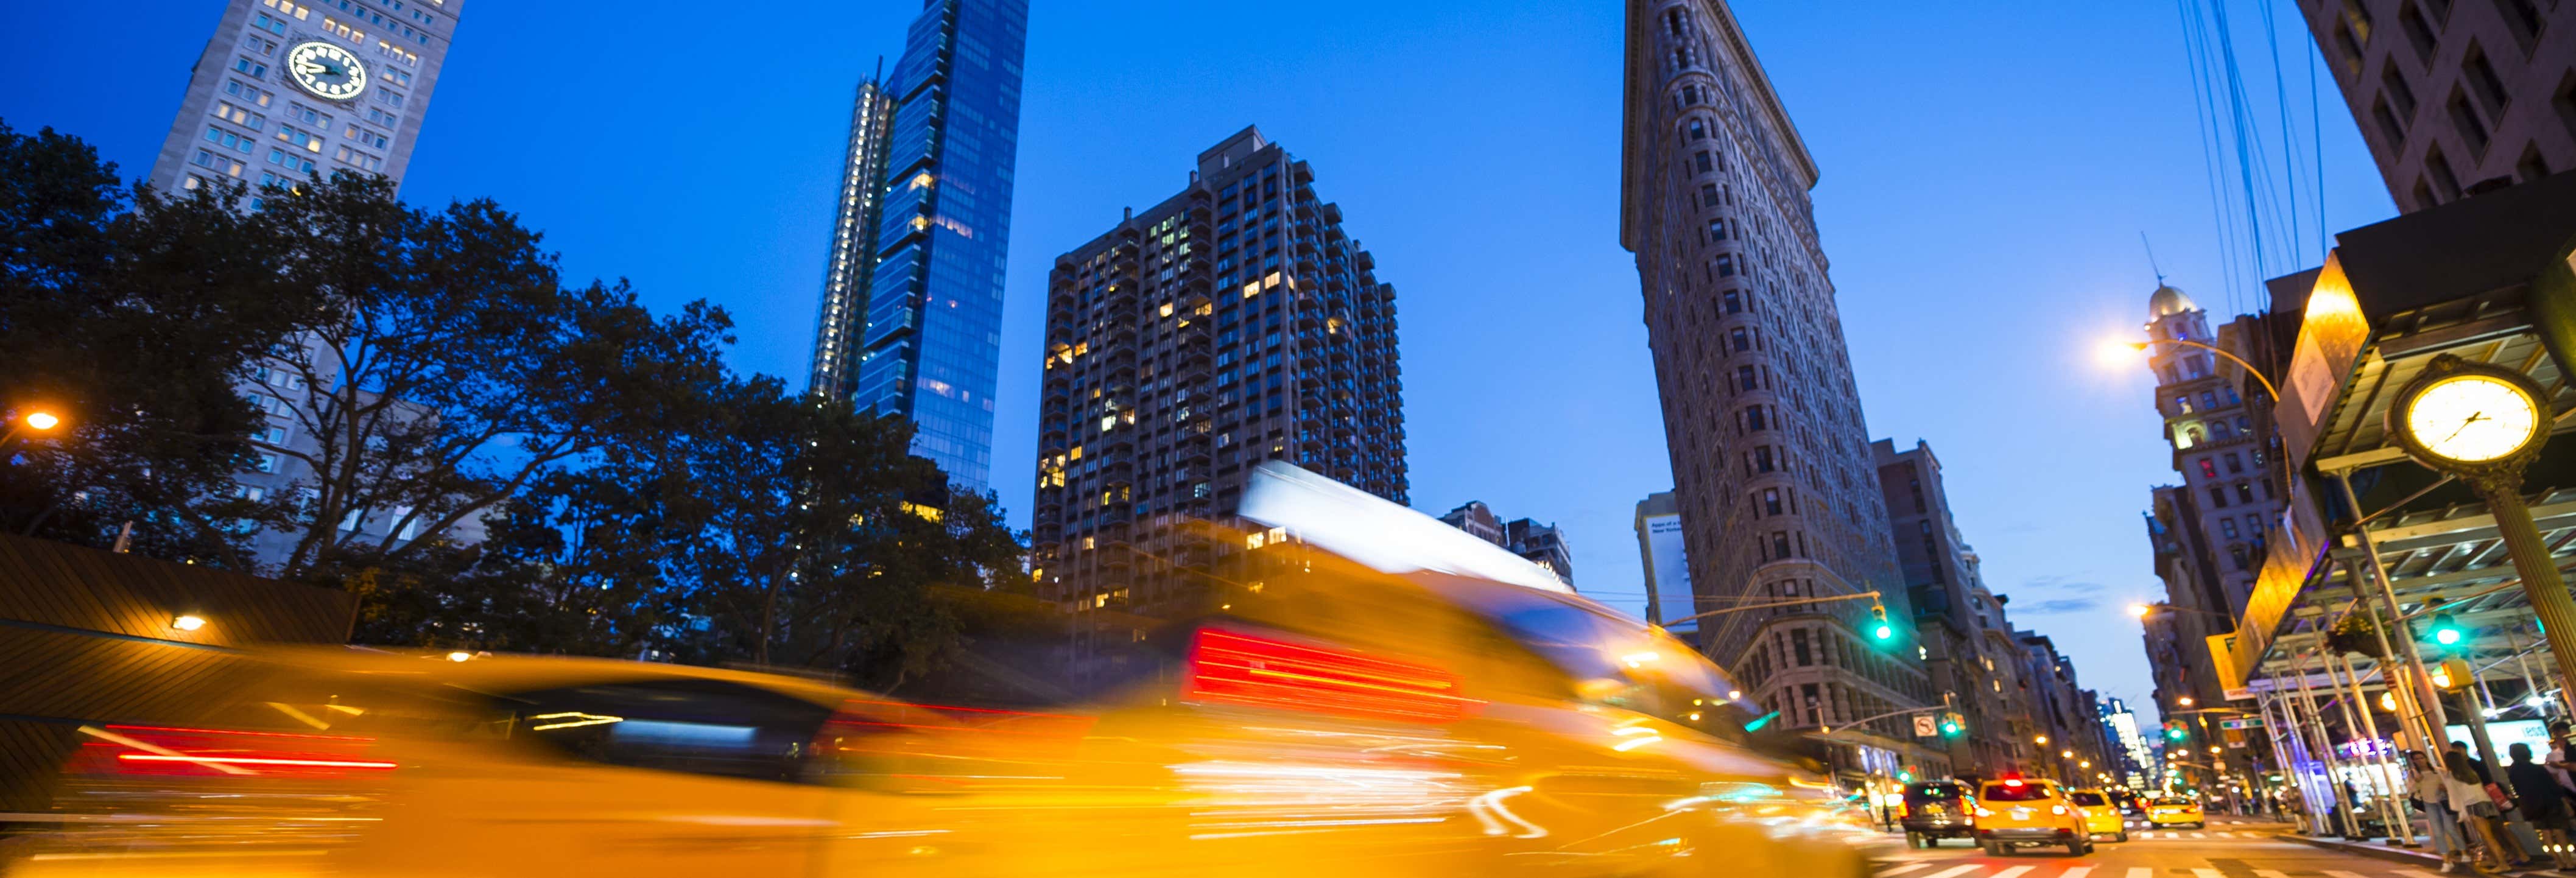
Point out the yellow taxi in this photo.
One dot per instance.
(1380, 724)
(2175, 811)
(2101, 815)
(2016, 813)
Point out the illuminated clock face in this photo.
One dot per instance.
(326, 70)
(2472, 418)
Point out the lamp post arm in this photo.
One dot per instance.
(2249, 367)
(1872, 595)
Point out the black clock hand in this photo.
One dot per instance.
(2474, 417)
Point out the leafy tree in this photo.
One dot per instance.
(447, 369)
(131, 315)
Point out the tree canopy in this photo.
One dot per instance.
(492, 457)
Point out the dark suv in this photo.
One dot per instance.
(1939, 809)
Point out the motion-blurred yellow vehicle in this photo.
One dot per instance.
(1347, 719)
(2101, 814)
(2175, 811)
(2014, 813)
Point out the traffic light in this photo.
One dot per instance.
(2446, 630)
(2452, 673)
(1878, 626)
(2175, 731)
(1952, 726)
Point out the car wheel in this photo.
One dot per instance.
(2124, 835)
(1991, 849)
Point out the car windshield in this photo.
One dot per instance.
(2085, 799)
(1933, 792)
(2017, 792)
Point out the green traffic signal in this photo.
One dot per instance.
(2446, 630)
(2175, 733)
(1878, 623)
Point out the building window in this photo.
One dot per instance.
(1770, 501)
(254, 69)
(1725, 265)
(2235, 464)
(247, 92)
(236, 142)
(1762, 461)
(1753, 419)
(1746, 378)
(2218, 496)
(1743, 341)
(2227, 526)
(221, 164)
(1716, 230)
(2208, 470)
(1708, 195)
(1779, 544)
(2472, 129)
(1734, 302)
(1703, 162)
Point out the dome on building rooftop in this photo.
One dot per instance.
(2167, 302)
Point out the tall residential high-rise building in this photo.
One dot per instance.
(1232, 323)
(286, 90)
(852, 262)
(2454, 96)
(1667, 565)
(911, 321)
(2134, 757)
(1771, 458)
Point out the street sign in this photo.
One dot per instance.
(2250, 722)
(1925, 726)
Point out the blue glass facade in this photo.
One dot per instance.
(934, 306)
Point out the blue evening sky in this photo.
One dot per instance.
(1987, 169)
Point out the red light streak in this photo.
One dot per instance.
(254, 760)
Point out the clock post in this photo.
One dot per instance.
(2455, 397)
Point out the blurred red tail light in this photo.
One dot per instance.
(1232, 667)
(185, 752)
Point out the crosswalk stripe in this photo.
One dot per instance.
(2417, 873)
(2224, 834)
(2206, 873)
(2077, 872)
(2269, 873)
(2014, 872)
(2200, 835)
(2141, 872)
(1955, 870)
(2333, 874)
(1900, 870)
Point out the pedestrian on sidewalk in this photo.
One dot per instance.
(2542, 802)
(2478, 812)
(2512, 851)
(2430, 798)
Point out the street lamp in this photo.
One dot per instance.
(2041, 740)
(2184, 701)
(39, 420)
(2122, 351)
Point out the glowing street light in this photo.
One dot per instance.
(39, 421)
(2041, 740)
(188, 622)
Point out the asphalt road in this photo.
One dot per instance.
(2225, 849)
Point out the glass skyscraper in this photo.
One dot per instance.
(927, 329)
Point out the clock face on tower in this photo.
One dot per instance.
(2471, 418)
(326, 70)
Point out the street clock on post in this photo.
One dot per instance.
(326, 70)
(2484, 424)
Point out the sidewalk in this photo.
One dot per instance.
(2417, 856)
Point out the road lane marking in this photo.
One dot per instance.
(2077, 872)
(2206, 873)
(1900, 870)
(2014, 872)
(1956, 870)
(2334, 874)
(2141, 872)
(2269, 873)
(2200, 835)
(2418, 873)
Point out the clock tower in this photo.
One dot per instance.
(287, 90)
